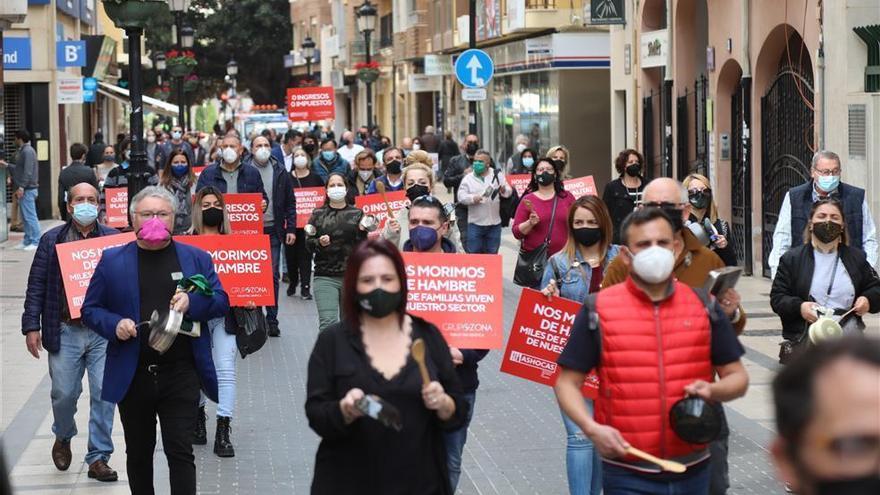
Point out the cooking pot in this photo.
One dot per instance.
(695, 420)
(164, 327)
(825, 328)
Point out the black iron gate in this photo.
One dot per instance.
(787, 136)
(693, 154)
(737, 180)
(649, 125)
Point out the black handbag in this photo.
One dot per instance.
(507, 206)
(250, 329)
(530, 264)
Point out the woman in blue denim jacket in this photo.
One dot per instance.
(574, 273)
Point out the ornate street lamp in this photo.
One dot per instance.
(366, 23)
(308, 51)
(178, 7)
(187, 37)
(231, 72)
(133, 16)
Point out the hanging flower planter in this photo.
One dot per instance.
(161, 92)
(368, 72)
(134, 13)
(180, 63)
(191, 84)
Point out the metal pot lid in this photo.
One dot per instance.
(164, 327)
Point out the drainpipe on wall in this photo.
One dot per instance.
(820, 66)
(745, 86)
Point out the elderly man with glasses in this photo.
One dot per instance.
(129, 284)
(824, 183)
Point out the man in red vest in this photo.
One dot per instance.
(653, 340)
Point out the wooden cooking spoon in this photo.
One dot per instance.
(418, 352)
(380, 187)
(666, 465)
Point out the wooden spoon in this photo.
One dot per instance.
(529, 204)
(418, 352)
(380, 187)
(671, 466)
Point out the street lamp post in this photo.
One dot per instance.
(179, 7)
(366, 20)
(231, 72)
(308, 51)
(161, 65)
(138, 170)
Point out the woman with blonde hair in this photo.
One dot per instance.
(418, 181)
(560, 154)
(704, 213)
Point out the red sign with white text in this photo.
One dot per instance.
(78, 261)
(541, 329)
(309, 104)
(308, 199)
(519, 182)
(116, 204)
(242, 262)
(245, 211)
(460, 293)
(198, 170)
(582, 186)
(373, 204)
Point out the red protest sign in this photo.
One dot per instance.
(198, 170)
(373, 204)
(309, 104)
(519, 182)
(243, 263)
(308, 199)
(540, 331)
(582, 186)
(245, 212)
(460, 293)
(78, 261)
(116, 204)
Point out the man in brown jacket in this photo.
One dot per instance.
(692, 266)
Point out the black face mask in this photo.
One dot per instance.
(212, 217)
(471, 148)
(393, 167)
(379, 303)
(675, 216)
(309, 148)
(700, 200)
(343, 142)
(416, 191)
(827, 231)
(634, 170)
(587, 236)
(545, 178)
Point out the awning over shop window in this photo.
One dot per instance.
(151, 104)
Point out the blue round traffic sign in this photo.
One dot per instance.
(474, 68)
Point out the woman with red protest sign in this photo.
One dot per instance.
(209, 218)
(299, 258)
(540, 216)
(574, 273)
(381, 387)
(332, 233)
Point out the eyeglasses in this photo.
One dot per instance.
(827, 172)
(662, 205)
(695, 191)
(428, 199)
(146, 215)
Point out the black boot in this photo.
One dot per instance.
(306, 293)
(222, 445)
(201, 437)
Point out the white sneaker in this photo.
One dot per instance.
(20, 245)
(30, 247)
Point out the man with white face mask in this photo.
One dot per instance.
(653, 341)
(279, 219)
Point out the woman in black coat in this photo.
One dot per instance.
(703, 208)
(824, 273)
(623, 194)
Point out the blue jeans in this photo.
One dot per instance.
(622, 481)
(81, 350)
(455, 441)
(582, 463)
(223, 350)
(483, 239)
(28, 207)
(275, 247)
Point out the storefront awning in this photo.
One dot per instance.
(151, 104)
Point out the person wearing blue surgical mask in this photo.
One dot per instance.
(178, 178)
(329, 161)
(825, 172)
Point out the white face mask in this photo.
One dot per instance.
(230, 155)
(175, 134)
(417, 146)
(262, 154)
(300, 161)
(520, 147)
(336, 193)
(365, 174)
(654, 264)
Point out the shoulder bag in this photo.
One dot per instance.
(530, 264)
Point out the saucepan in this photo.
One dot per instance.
(166, 325)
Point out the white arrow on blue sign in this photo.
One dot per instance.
(474, 68)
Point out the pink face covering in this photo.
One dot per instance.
(154, 233)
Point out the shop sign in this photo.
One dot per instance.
(654, 46)
(69, 90)
(538, 47)
(607, 12)
(16, 53)
(438, 65)
(420, 83)
(473, 94)
(90, 88)
(70, 54)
